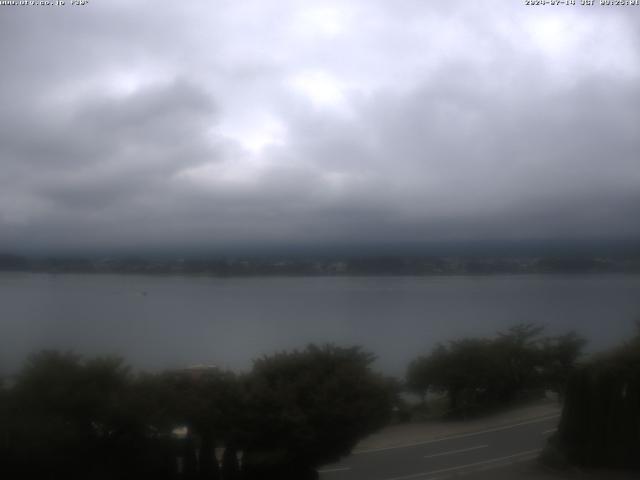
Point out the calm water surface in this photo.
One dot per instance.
(160, 322)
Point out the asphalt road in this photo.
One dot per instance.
(450, 456)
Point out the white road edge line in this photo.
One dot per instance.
(452, 452)
(469, 465)
(331, 470)
(462, 435)
(551, 430)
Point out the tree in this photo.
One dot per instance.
(209, 403)
(560, 357)
(306, 408)
(4, 421)
(422, 374)
(600, 423)
(519, 356)
(466, 373)
(70, 418)
(477, 373)
(50, 427)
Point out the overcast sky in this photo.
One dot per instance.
(263, 122)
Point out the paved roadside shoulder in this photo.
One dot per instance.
(455, 454)
(398, 436)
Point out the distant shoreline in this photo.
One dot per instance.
(365, 266)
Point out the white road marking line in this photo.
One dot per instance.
(331, 470)
(462, 435)
(461, 467)
(453, 452)
(551, 430)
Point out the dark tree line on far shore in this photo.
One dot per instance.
(346, 265)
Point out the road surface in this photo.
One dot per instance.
(449, 456)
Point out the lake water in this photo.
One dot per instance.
(157, 322)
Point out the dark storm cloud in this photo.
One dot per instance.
(276, 122)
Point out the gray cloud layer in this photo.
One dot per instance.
(219, 123)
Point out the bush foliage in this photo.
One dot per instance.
(600, 424)
(65, 417)
(479, 373)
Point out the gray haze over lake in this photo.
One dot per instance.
(159, 322)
